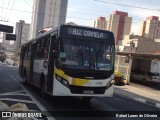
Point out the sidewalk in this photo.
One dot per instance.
(142, 94)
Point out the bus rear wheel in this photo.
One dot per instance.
(25, 79)
(42, 87)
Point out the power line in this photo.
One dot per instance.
(7, 8)
(93, 12)
(127, 5)
(49, 14)
(63, 16)
(2, 7)
(11, 10)
(27, 3)
(90, 19)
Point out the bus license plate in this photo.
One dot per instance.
(88, 92)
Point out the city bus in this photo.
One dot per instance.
(70, 61)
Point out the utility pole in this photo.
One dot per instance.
(21, 29)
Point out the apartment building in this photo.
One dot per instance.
(150, 28)
(100, 23)
(22, 33)
(120, 24)
(46, 14)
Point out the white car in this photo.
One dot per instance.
(8, 61)
(145, 77)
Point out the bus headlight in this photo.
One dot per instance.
(65, 83)
(110, 83)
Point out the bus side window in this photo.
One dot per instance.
(26, 52)
(46, 47)
(29, 52)
(42, 48)
(38, 52)
(39, 49)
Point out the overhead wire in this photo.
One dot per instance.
(127, 5)
(7, 8)
(57, 15)
(93, 12)
(2, 8)
(27, 3)
(81, 10)
(11, 10)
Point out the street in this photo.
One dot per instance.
(13, 91)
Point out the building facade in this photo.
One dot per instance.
(22, 33)
(150, 28)
(100, 23)
(3, 38)
(46, 14)
(120, 24)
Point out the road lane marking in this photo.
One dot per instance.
(17, 100)
(30, 95)
(14, 94)
(41, 107)
(117, 99)
(158, 105)
(140, 100)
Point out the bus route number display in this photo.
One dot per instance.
(87, 33)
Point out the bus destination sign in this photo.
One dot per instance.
(87, 33)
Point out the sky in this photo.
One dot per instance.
(82, 12)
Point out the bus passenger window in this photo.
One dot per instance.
(46, 48)
(45, 54)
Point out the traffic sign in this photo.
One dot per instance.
(6, 28)
(11, 37)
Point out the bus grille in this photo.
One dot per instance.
(82, 89)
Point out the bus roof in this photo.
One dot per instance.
(64, 25)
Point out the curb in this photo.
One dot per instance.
(141, 100)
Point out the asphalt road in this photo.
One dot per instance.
(12, 91)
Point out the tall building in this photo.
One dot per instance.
(3, 38)
(150, 28)
(120, 24)
(46, 14)
(22, 33)
(100, 23)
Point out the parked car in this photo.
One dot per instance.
(145, 77)
(8, 61)
(157, 74)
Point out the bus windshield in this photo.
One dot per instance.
(86, 54)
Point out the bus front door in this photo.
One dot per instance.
(51, 64)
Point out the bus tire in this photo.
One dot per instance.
(42, 86)
(24, 78)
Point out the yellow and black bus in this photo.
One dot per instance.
(70, 61)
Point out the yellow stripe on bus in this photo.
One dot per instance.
(61, 73)
(75, 81)
(79, 82)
